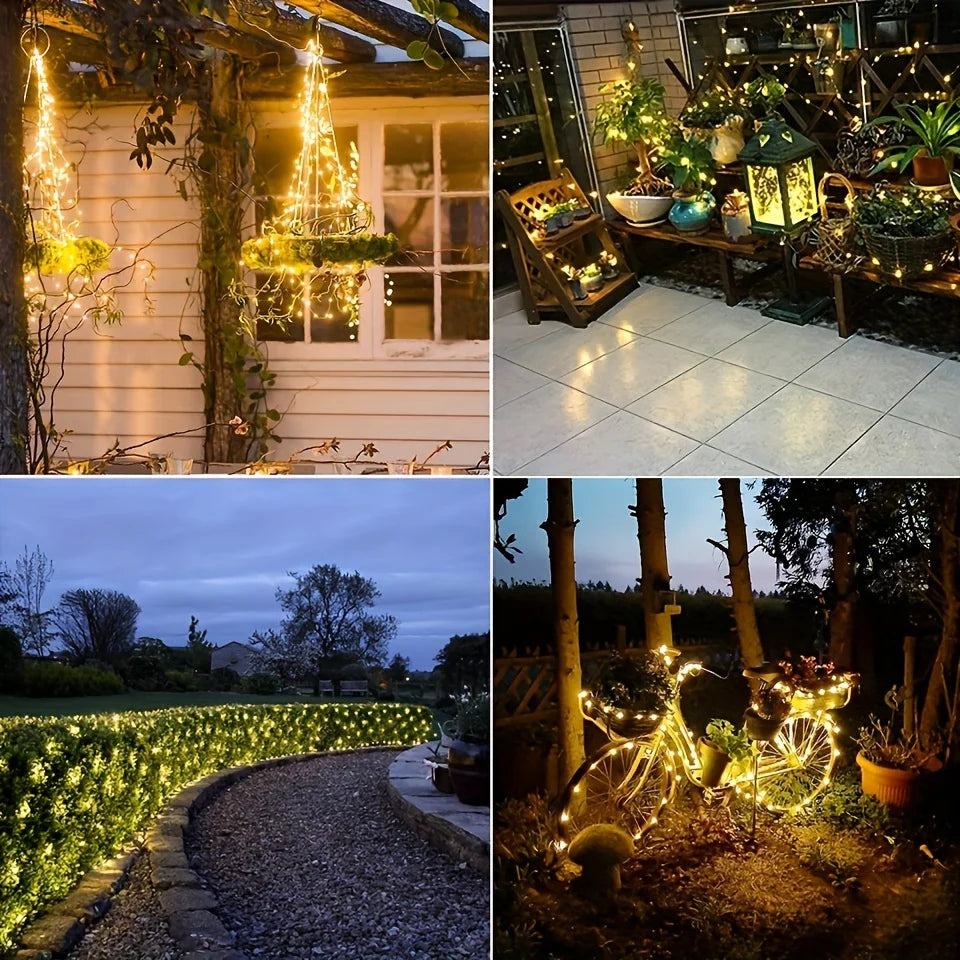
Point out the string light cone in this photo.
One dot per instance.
(321, 235)
(52, 246)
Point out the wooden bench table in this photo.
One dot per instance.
(762, 249)
(944, 283)
(358, 688)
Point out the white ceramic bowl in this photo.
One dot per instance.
(640, 209)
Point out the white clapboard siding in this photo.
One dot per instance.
(125, 382)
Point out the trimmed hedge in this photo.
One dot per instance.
(59, 680)
(74, 790)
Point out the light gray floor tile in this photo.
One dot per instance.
(620, 446)
(935, 401)
(865, 371)
(624, 375)
(797, 432)
(513, 331)
(529, 426)
(782, 350)
(707, 462)
(511, 381)
(712, 328)
(565, 350)
(651, 307)
(899, 448)
(704, 400)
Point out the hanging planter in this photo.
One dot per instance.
(51, 247)
(322, 233)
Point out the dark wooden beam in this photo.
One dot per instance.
(265, 18)
(402, 79)
(382, 22)
(472, 20)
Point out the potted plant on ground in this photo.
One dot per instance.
(722, 744)
(893, 766)
(633, 113)
(692, 167)
(718, 121)
(469, 755)
(931, 144)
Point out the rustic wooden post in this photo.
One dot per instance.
(559, 526)
(621, 639)
(843, 552)
(13, 308)
(909, 690)
(654, 571)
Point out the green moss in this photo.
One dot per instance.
(337, 253)
(84, 255)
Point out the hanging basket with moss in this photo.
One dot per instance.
(85, 255)
(337, 254)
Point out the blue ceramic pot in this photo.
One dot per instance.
(692, 214)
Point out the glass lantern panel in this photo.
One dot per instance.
(801, 191)
(767, 204)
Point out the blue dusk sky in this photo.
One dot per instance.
(218, 548)
(606, 536)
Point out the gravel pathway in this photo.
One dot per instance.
(134, 928)
(309, 861)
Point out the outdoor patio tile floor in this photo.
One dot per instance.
(675, 384)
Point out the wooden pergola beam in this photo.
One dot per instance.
(472, 20)
(382, 22)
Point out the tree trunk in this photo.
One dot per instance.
(13, 308)
(559, 527)
(738, 559)
(223, 177)
(933, 719)
(843, 614)
(654, 572)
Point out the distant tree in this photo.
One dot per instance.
(328, 623)
(21, 593)
(96, 624)
(11, 660)
(198, 647)
(504, 490)
(144, 668)
(398, 668)
(465, 662)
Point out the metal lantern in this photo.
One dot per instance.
(780, 179)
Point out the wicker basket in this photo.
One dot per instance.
(836, 235)
(907, 257)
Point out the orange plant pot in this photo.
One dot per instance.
(892, 787)
(929, 171)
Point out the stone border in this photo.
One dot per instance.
(459, 830)
(188, 907)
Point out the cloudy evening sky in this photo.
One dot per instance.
(606, 536)
(219, 548)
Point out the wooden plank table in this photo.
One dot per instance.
(945, 283)
(762, 249)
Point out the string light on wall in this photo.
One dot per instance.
(321, 238)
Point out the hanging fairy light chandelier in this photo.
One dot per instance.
(52, 246)
(322, 234)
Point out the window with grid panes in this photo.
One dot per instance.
(436, 200)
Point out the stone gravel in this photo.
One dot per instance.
(309, 861)
(135, 927)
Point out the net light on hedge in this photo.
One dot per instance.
(781, 184)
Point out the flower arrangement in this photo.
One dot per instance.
(81, 255)
(334, 254)
(808, 672)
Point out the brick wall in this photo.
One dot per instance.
(601, 52)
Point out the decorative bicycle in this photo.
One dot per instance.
(635, 775)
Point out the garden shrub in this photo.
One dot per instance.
(223, 680)
(180, 680)
(51, 679)
(836, 854)
(74, 790)
(262, 683)
(11, 661)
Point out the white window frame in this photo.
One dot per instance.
(370, 117)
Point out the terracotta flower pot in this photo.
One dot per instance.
(469, 764)
(929, 171)
(892, 787)
(713, 762)
(955, 224)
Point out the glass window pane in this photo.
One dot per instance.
(411, 219)
(408, 156)
(464, 156)
(464, 310)
(464, 230)
(275, 156)
(328, 322)
(408, 306)
(278, 297)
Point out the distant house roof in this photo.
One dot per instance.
(235, 656)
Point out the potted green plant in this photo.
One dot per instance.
(609, 268)
(767, 711)
(893, 766)
(633, 692)
(591, 277)
(692, 168)
(469, 755)
(573, 275)
(906, 232)
(722, 744)
(550, 220)
(932, 143)
(633, 112)
(718, 121)
(762, 96)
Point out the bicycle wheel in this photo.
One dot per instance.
(625, 783)
(796, 765)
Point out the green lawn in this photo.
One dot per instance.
(120, 702)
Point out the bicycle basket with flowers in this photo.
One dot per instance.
(630, 694)
(817, 686)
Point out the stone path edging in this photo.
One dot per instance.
(459, 830)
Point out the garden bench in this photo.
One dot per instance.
(359, 688)
(325, 686)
